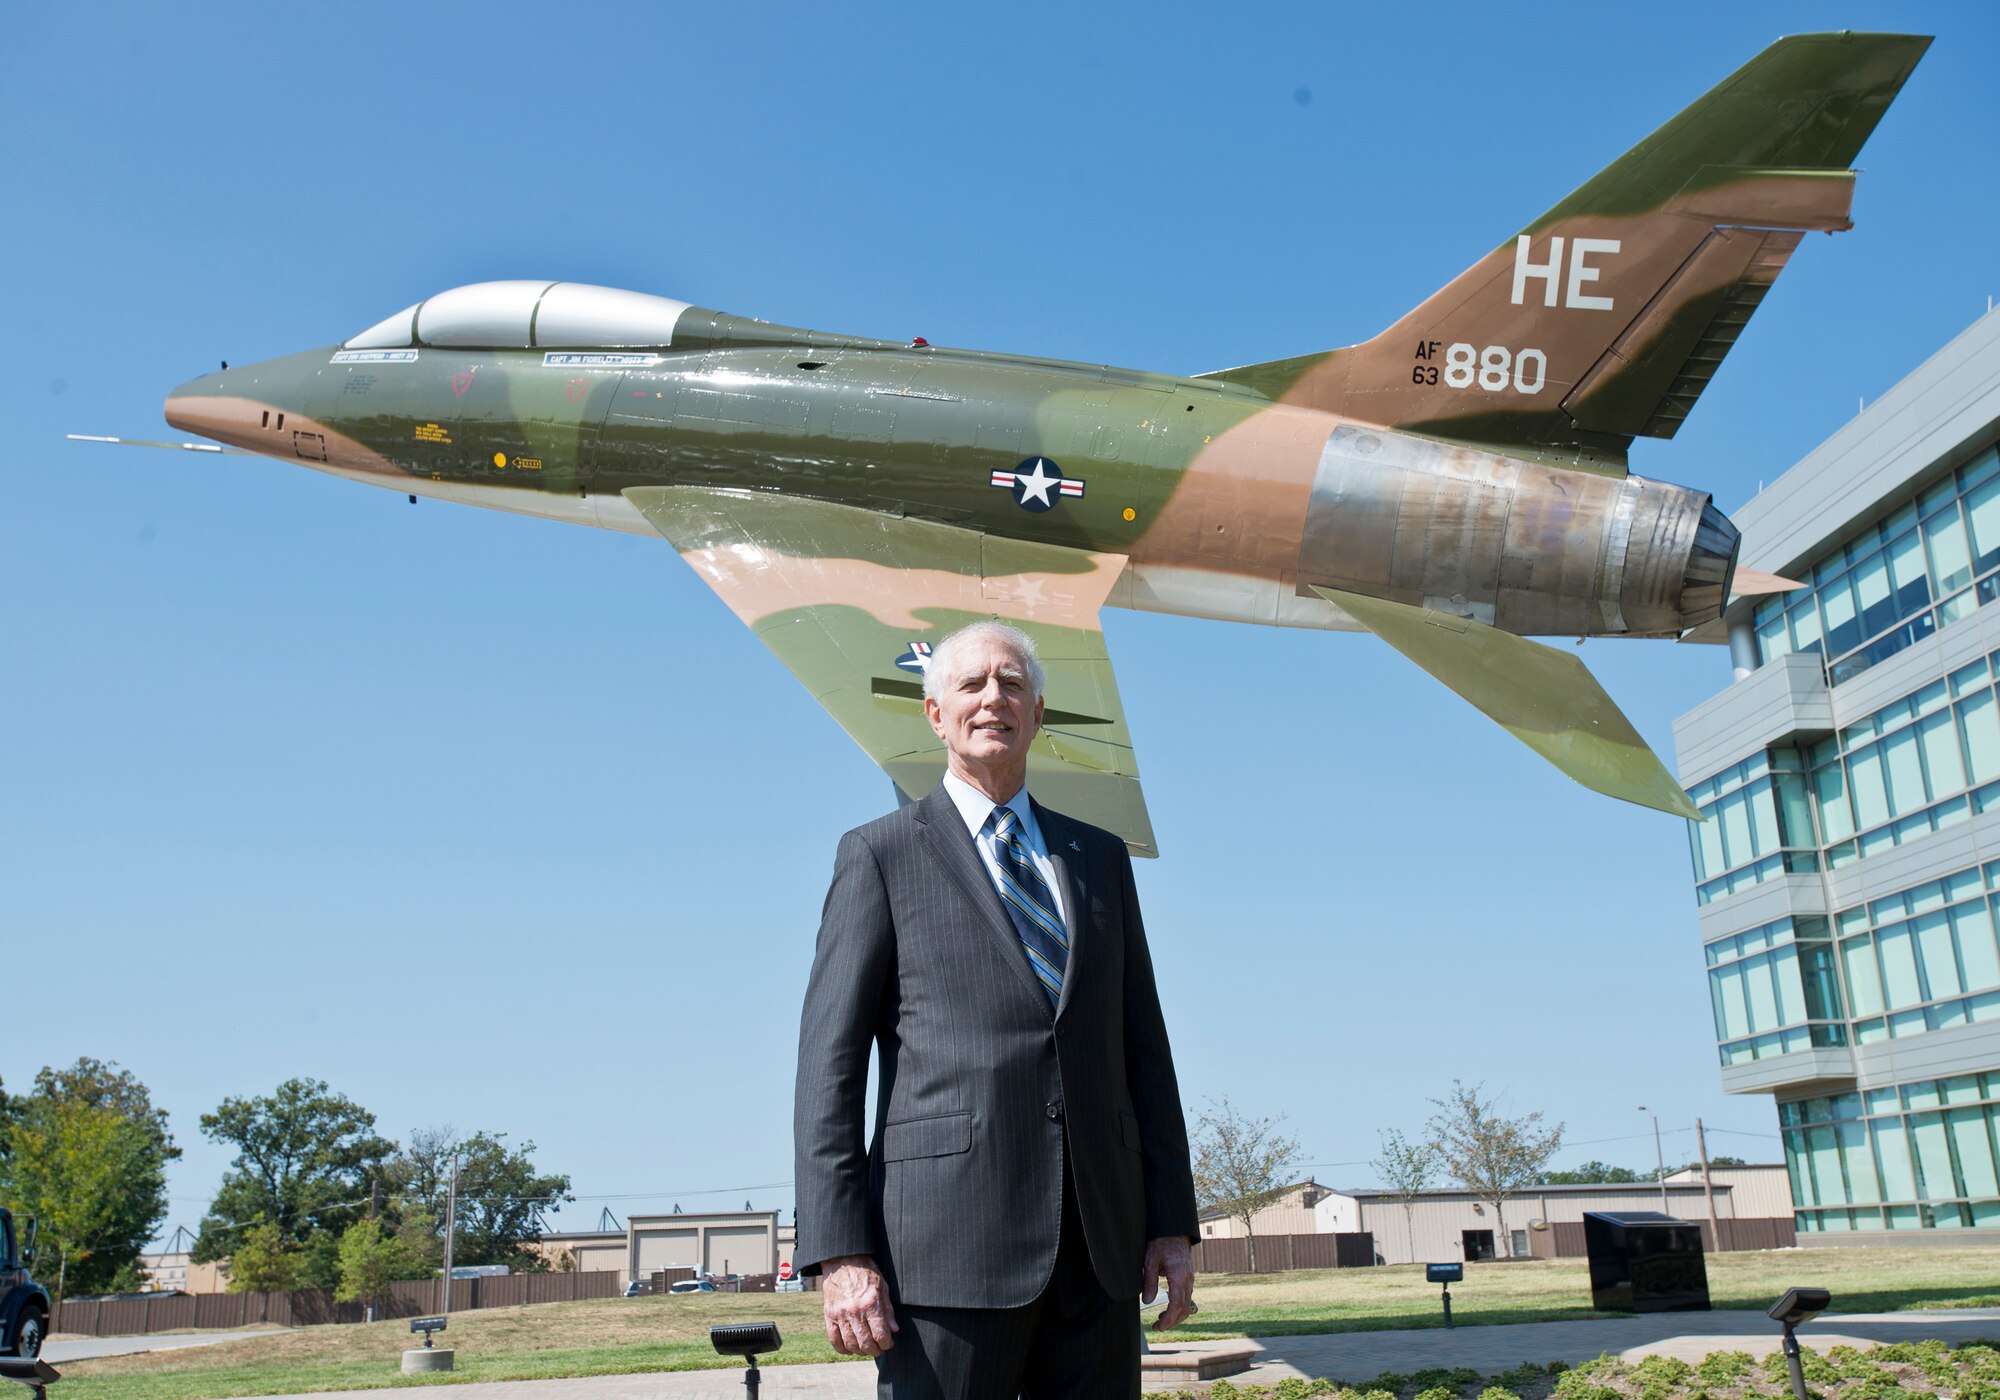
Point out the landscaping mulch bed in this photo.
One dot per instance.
(1899, 1371)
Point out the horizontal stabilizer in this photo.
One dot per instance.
(1544, 697)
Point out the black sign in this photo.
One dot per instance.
(427, 1325)
(1444, 1273)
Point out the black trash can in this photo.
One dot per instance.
(1642, 1261)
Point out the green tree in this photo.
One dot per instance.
(502, 1197)
(1241, 1164)
(306, 1160)
(1490, 1155)
(370, 1260)
(86, 1155)
(1408, 1169)
(1591, 1173)
(264, 1261)
(422, 1238)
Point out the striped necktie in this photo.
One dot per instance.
(1029, 904)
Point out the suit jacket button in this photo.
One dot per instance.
(1055, 1111)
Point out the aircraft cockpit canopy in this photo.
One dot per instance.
(528, 315)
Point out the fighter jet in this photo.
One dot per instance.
(1455, 485)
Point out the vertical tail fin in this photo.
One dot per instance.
(1605, 318)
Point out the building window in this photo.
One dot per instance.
(1925, 763)
(1759, 825)
(1925, 958)
(1774, 991)
(1916, 1156)
(1927, 566)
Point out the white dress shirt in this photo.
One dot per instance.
(975, 807)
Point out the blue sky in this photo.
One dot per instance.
(508, 824)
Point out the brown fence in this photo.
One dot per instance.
(1277, 1253)
(165, 1312)
(1564, 1239)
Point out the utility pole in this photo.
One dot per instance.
(450, 1228)
(374, 1213)
(1701, 1145)
(1659, 1159)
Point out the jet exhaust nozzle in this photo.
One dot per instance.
(1711, 567)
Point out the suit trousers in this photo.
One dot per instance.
(1073, 1342)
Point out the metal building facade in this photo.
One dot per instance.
(1848, 880)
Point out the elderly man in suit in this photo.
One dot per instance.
(1028, 1174)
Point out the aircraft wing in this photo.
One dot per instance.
(852, 600)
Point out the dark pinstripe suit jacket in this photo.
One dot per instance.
(959, 1195)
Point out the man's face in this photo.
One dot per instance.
(986, 711)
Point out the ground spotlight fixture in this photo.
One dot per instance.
(746, 1339)
(1797, 1306)
(31, 1371)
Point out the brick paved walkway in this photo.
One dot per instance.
(1349, 1355)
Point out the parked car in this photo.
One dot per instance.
(789, 1285)
(638, 1288)
(692, 1285)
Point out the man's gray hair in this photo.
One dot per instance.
(939, 671)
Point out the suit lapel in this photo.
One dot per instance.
(1071, 861)
(951, 845)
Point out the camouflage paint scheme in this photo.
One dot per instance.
(1456, 484)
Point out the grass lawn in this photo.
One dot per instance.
(619, 1335)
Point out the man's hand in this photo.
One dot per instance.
(1168, 1258)
(859, 1319)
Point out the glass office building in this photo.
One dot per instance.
(1847, 880)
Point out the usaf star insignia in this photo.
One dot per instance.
(1036, 484)
(917, 658)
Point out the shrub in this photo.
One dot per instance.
(1453, 1382)
(1982, 1359)
(1585, 1382)
(1880, 1386)
(1662, 1370)
(1725, 1368)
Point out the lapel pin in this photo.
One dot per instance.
(1075, 847)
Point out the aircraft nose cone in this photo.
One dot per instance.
(206, 406)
